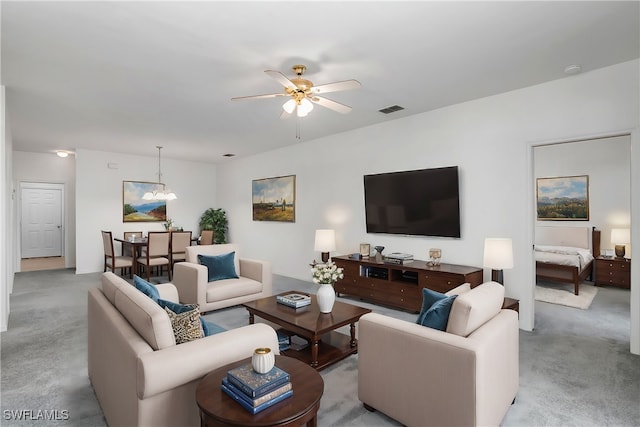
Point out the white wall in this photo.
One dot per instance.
(7, 260)
(99, 198)
(607, 163)
(489, 139)
(48, 168)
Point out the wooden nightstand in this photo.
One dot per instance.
(613, 272)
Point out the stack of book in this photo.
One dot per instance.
(254, 391)
(398, 258)
(294, 300)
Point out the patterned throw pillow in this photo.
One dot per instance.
(186, 325)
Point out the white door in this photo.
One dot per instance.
(41, 220)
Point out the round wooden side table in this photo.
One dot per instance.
(218, 409)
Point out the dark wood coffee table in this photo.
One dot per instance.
(326, 345)
(218, 409)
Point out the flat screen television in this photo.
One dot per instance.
(421, 202)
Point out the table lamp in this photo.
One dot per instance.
(498, 255)
(325, 243)
(620, 237)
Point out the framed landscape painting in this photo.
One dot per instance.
(274, 199)
(563, 198)
(135, 209)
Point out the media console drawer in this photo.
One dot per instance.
(400, 286)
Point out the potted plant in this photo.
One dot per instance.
(216, 220)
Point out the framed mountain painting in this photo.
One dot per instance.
(136, 209)
(563, 198)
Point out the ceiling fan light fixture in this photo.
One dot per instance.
(289, 106)
(304, 107)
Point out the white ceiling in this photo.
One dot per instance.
(127, 76)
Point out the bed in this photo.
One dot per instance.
(566, 254)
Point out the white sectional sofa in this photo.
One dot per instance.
(139, 374)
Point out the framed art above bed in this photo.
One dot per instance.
(564, 198)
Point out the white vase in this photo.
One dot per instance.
(326, 296)
(262, 360)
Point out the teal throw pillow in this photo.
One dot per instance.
(209, 328)
(220, 266)
(435, 309)
(149, 289)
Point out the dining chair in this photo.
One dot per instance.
(179, 241)
(158, 254)
(206, 237)
(111, 260)
(126, 250)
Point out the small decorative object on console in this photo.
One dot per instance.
(434, 256)
(398, 258)
(262, 360)
(365, 250)
(379, 250)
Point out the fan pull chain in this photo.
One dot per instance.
(298, 128)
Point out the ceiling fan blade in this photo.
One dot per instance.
(332, 105)
(336, 86)
(270, 95)
(282, 79)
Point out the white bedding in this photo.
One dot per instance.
(563, 255)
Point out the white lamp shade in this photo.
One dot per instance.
(620, 236)
(289, 106)
(325, 240)
(498, 253)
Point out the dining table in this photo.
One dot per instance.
(137, 244)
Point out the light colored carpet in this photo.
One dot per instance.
(564, 295)
(575, 367)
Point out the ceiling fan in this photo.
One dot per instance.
(302, 93)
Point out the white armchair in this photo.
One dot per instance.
(466, 376)
(191, 279)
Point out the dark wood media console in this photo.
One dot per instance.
(400, 286)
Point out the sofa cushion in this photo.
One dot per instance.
(232, 288)
(186, 325)
(435, 309)
(209, 328)
(145, 316)
(474, 308)
(220, 267)
(192, 252)
(146, 288)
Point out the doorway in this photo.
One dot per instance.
(606, 163)
(42, 224)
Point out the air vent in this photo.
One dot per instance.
(391, 109)
(228, 155)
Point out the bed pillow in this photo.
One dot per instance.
(435, 309)
(220, 267)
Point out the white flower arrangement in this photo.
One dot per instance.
(328, 273)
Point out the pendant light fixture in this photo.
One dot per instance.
(160, 193)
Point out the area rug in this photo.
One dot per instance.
(565, 296)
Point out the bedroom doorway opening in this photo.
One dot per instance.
(605, 165)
